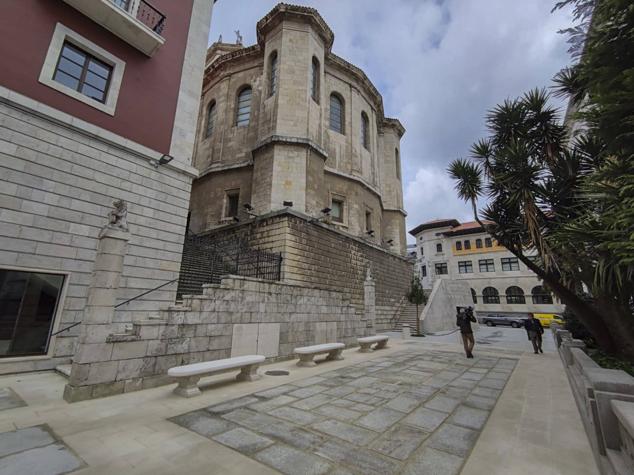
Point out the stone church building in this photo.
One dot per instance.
(286, 123)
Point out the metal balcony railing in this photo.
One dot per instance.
(144, 12)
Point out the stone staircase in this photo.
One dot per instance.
(408, 316)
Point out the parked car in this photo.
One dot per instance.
(548, 318)
(492, 320)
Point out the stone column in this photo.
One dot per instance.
(369, 301)
(92, 363)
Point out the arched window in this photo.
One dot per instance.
(365, 131)
(458, 245)
(474, 296)
(314, 80)
(541, 296)
(336, 113)
(397, 162)
(439, 247)
(243, 108)
(515, 295)
(490, 295)
(273, 73)
(478, 243)
(211, 118)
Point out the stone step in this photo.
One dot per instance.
(63, 369)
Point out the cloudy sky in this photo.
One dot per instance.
(439, 64)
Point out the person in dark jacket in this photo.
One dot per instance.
(535, 331)
(464, 317)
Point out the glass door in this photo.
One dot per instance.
(28, 304)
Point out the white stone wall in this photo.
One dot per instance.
(57, 184)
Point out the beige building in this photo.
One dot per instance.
(287, 123)
(499, 282)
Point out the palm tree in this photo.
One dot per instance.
(536, 186)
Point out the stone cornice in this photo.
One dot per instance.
(232, 58)
(288, 140)
(221, 167)
(296, 12)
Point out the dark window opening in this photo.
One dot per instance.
(336, 210)
(487, 242)
(474, 296)
(336, 114)
(441, 268)
(490, 295)
(467, 244)
(458, 245)
(541, 296)
(515, 294)
(438, 247)
(28, 303)
(232, 203)
(478, 243)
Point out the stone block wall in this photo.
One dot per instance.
(605, 399)
(318, 255)
(239, 316)
(57, 185)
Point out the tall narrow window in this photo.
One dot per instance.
(273, 73)
(83, 73)
(365, 131)
(211, 118)
(243, 108)
(467, 244)
(487, 242)
(424, 271)
(478, 243)
(232, 199)
(314, 80)
(458, 245)
(397, 163)
(439, 247)
(336, 113)
(368, 221)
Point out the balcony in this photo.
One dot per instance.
(136, 22)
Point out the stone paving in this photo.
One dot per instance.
(35, 451)
(9, 399)
(407, 413)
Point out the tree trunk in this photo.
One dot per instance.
(621, 325)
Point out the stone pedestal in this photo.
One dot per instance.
(92, 363)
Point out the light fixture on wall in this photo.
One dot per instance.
(326, 211)
(249, 210)
(164, 160)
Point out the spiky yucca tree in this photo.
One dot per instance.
(537, 189)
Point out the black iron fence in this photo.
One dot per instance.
(207, 258)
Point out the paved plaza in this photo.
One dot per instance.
(404, 413)
(418, 407)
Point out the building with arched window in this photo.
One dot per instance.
(499, 282)
(313, 134)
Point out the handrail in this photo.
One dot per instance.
(147, 292)
(67, 328)
(120, 304)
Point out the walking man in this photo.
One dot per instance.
(535, 331)
(464, 317)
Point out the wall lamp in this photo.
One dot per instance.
(164, 160)
(249, 209)
(326, 211)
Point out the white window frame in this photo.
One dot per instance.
(57, 318)
(63, 34)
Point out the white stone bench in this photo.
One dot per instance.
(189, 375)
(366, 343)
(306, 353)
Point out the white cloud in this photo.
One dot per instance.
(439, 64)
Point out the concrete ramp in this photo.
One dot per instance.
(440, 312)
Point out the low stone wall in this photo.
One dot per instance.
(605, 398)
(237, 317)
